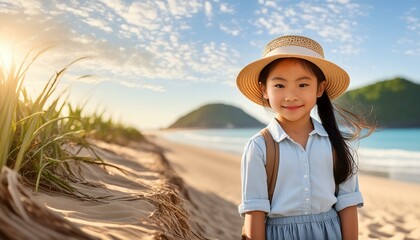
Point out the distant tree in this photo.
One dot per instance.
(393, 103)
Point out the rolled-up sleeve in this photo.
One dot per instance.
(349, 194)
(254, 180)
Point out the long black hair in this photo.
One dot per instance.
(344, 163)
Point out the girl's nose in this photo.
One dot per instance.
(291, 96)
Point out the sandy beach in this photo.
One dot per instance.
(178, 191)
(391, 210)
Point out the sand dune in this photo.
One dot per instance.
(140, 202)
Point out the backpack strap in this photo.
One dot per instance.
(272, 161)
(271, 167)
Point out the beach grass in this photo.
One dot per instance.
(34, 150)
(97, 126)
(39, 141)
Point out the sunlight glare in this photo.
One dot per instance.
(6, 54)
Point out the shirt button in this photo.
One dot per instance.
(306, 189)
(307, 199)
(305, 176)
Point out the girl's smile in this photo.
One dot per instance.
(292, 107)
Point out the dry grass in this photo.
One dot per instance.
(21, 217)
(168, 198)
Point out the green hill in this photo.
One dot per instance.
(392, 103)
(217, 116)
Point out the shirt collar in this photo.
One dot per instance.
(318, 128)
(279, 134)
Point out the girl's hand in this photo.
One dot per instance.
(255, 225)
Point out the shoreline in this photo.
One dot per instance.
(395, 164)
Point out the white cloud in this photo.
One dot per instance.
(413, 23)
(29, 7)
(233, 32)
(154, 88)
(116, 5)
(208, 9)
(343, 1)
(98, 23)
(83, 39)
(225, 8)
(141, 15)
(270, 4)
(348, 49)
(333, 21)
(76, 11)
(412, 52)
(183, 8)
(410, 41)
(161, 6)
(274, 24)
(412, 20)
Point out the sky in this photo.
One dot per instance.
(151, 61)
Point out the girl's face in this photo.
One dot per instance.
(292, 90)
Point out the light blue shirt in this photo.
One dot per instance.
(305, 182)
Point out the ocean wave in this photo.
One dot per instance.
(392, 163)
(389, 157)
(214, 139)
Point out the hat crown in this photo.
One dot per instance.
(294, 40)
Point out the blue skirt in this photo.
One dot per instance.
(317, 226)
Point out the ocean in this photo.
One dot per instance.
(391, 153)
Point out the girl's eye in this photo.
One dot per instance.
(303, 85)
(279, 86)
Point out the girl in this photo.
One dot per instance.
(316, 193)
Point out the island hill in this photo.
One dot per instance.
(393, 103)
(217, 116)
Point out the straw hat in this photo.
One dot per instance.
(291, 46)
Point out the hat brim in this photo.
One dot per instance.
(337, 80)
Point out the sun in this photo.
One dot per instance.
(6, 54)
